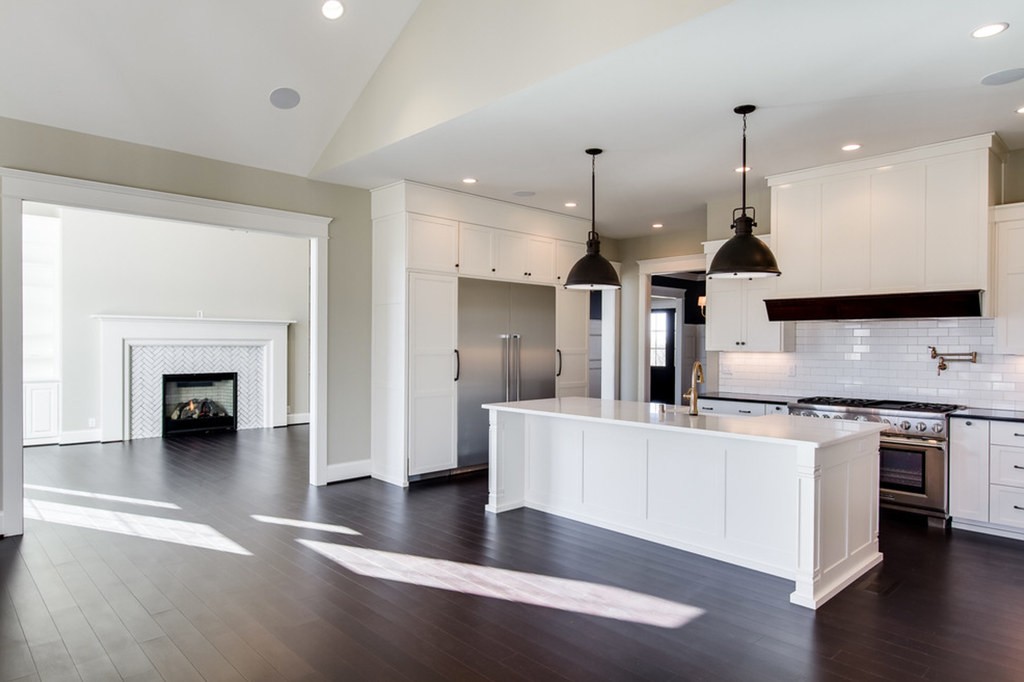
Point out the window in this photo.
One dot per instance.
(659, 338)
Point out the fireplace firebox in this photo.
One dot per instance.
(200, 402)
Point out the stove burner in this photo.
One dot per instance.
(870, 403)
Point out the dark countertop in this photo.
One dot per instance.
(750, 398)
(991, 415)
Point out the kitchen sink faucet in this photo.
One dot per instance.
(697, 377)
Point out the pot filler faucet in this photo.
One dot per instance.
(697, 377)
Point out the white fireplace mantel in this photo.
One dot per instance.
(119, 333)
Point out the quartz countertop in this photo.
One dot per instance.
(750, 397)
(774, 427)
(991, 415)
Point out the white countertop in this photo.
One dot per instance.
(773, 427)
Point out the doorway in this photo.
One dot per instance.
(663, 354)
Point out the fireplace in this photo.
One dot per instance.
(200, 402)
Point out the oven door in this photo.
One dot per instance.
(912, 474)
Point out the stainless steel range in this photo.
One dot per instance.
(913, 461)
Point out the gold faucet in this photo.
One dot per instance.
(697, 377)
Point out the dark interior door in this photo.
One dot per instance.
(663, 356)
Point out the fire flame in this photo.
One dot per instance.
(191, 405)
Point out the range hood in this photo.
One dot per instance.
(877, 306)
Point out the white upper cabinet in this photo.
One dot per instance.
(433, 244)
(1009, 249)
(903, 222)
(476, 250)
(566, 255)
(493, 253)
(737, 319)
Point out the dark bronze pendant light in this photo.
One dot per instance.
(744, 255)
(592, 271)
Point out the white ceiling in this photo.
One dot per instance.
(194, 76)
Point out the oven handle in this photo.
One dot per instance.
(918, 442)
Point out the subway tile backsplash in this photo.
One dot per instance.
(883, 359)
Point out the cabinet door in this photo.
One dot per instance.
(433, 307)
(476, 250)
(1010, 287)
(897, 229)
(968, 469)
(510, 254)
(760, 334)
(724, 326)
(433, 244)
(956, 219)
(733, 408)
(796, 227)
(845, 236)
(566, 255)
(41, 412)
(572, 327)
(540, 260)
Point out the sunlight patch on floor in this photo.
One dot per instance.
(150, 527)
(311, 525)
(102, 496)
(499, 583)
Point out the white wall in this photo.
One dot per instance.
(883, 359)
(128, 265)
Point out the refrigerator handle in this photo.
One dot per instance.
(519, 364)
(559, 372)
(505, 363)
(458, 365)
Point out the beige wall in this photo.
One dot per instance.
(129, 265)
(50, 150)
(719, 216)
(684, 242)
(1013, 180)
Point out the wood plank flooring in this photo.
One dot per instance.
(197, 589)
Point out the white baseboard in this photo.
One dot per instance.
(86, 436)
(49, 440)
(348, 470)
(298, 418)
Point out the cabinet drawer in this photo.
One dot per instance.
(1007, 506)
(731, 407)
(1008, 466)
(771, 408)
(1008, 433)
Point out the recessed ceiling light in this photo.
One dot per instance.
(743, 169)
(850, 147)
(570, 204)
(989, 30)
(469, 181)
(284, 98)
(657, 226)
(1021, 110)
(1003, 77)
(333, 9)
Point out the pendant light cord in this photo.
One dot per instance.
(744, 171)
(593, 198)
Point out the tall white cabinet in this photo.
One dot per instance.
(424, 240)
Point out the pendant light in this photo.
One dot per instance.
(744, 255)
(593, 271)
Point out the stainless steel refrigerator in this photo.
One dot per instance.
(506, 352)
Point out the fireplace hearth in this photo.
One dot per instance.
(200, 402)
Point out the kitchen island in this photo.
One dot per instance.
(789, 496)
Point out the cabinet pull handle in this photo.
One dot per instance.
(1017, 466)
(744, 411)
(1019, 435)
(458, 365)
(1018, 507)
(559, 372)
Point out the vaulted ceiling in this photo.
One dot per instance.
(511, 92)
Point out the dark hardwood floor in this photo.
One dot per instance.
(193, 587)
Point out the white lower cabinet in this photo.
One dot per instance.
(735, 408)
(986, 481)
(433, 332)
(968, 469)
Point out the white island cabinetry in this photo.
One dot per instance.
(785, 495)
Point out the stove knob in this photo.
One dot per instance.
(887, 422)
(937, 428)
(815, 415)
(826, 416)
(904, 425)
(921, 426)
